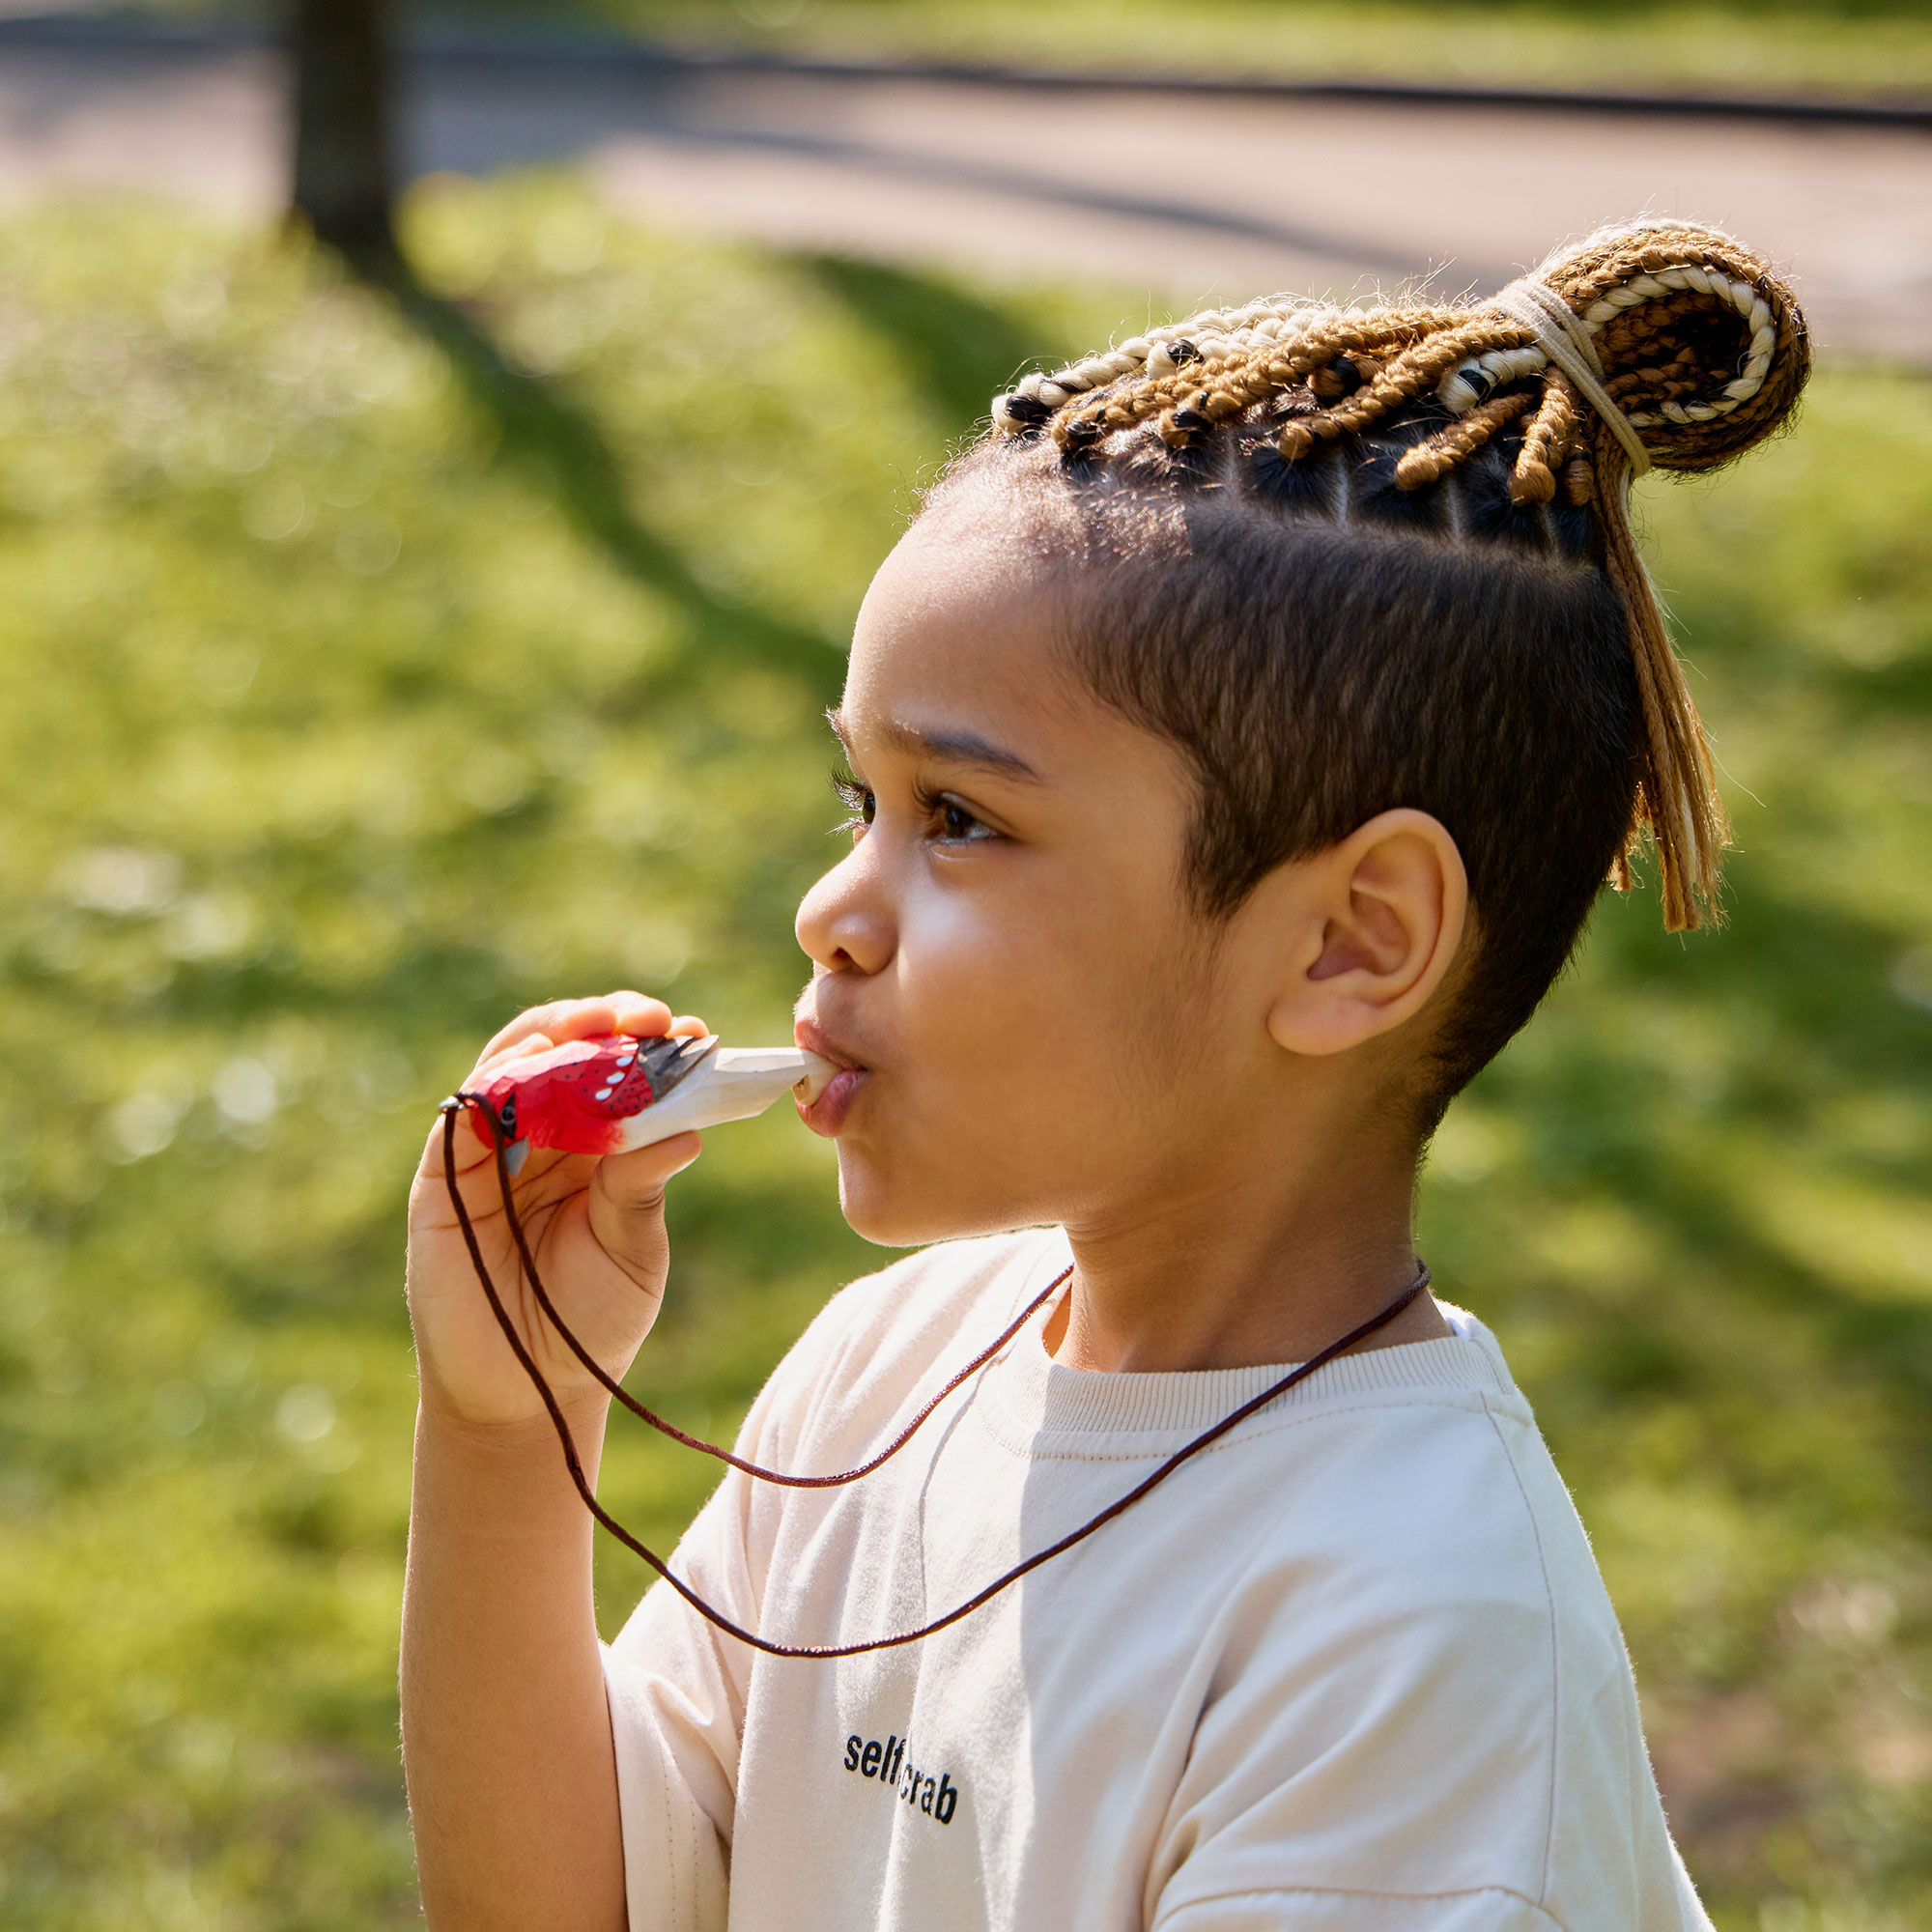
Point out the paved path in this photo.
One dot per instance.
(1183, 196)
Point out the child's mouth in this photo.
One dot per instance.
(825, 1115)
(824, 1103)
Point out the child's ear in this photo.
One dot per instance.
(1373, 924)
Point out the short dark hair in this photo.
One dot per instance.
(1335, 566)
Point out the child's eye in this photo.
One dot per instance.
(860, 805)
(953, 822)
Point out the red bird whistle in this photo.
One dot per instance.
(611, 1095)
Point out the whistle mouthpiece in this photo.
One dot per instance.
(729, 1083)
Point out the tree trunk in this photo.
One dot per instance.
(343, 182)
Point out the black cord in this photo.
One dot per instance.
(501, 1134)
(455, 1106)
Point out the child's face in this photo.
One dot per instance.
(1008, 951)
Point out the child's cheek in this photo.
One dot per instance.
(997, 1043)
(990, 959)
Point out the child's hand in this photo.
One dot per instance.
(595, 1227)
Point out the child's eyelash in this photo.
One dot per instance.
(856, 798)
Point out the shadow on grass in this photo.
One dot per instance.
(546, 433)
(956, 352)
(955, 349)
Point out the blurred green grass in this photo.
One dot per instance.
(370, 669)
(1808, 47)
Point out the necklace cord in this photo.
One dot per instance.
(452, 1108)
(619, 1393)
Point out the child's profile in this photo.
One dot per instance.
(1246, 726)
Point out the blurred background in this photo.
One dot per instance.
(441, 456)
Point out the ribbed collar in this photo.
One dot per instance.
(1032, 1397)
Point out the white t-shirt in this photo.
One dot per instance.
(1350, 1670)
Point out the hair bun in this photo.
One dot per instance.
(1703, 346)
(1652, 343)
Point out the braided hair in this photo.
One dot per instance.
(1355, 557)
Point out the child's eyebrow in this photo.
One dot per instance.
(958, 748)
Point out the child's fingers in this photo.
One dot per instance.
(630, 1187)
(626, 1200)
(636, 1180)
(531, 1020)
(647, 1019)
(492, 1065)
(561, 1020)
(526, 1048)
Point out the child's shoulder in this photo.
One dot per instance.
(1416, 1492)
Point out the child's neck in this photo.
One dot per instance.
(1247, 1262)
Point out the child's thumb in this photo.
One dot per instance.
(627, 1198)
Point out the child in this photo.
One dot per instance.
(1237, 740)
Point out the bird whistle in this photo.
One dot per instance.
(616, 1092)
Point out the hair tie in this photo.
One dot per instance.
(1565, 338)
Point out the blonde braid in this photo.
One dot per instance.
(1679, 794)
(1027, 405)
(1258, 352)
(1440, 453)
(1415, 370)
(1654, 342)
(1545, 442)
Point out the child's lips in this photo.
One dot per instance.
(825, 1115)
(824, 1103)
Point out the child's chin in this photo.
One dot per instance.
(884, 1214)
(896, 1212)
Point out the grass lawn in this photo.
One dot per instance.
(366, 672)
(1815, 47)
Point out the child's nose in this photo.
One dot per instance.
(843, 923)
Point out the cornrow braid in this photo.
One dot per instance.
(1655, 343)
